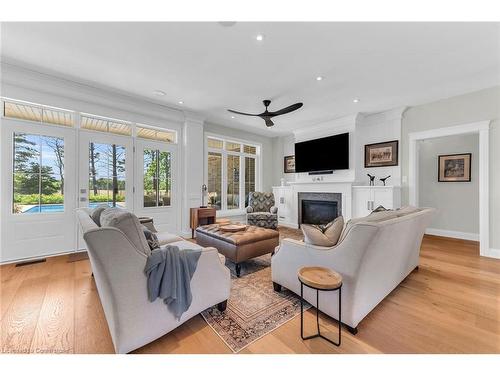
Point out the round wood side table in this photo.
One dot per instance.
(324, 279)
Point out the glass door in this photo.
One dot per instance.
(38, 189)
(156, 183)
(105, 171)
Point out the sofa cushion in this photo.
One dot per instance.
(326, 236)
(166, 238)
(95, 214)
(129, 224)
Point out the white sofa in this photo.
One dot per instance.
(373, 256)
(118, 268)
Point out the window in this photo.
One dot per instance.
(156, 134)
(38, 174)
(231, 172)
(157, 180)
(215, 180)
(102, 124)
(106, 174)
(38, 113)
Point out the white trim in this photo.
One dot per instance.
(481, 128)
(493, 253)
(452, 234)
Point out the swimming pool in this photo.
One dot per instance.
(58, 207)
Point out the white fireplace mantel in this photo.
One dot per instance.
(288, 202)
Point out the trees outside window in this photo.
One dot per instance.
(38, 174)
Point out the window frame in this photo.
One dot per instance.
(224, 211)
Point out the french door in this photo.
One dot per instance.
(106, 174)
(38, 190)
(156, 192)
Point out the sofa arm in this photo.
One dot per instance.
(249, 209)
(273, 210)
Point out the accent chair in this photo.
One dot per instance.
(261, 210)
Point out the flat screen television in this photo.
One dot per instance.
(322, 154)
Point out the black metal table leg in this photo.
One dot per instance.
(317, 315)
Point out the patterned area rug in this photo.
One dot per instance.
(254, 309)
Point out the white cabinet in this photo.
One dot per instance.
(366, 198)
(284, 200)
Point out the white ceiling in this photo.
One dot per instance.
(211, 67)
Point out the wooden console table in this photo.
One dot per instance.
(201, 216)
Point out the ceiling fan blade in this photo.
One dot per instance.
(268, 121)
(242, 113)
(285, 110)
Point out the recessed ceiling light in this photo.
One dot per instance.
(159, 93)
(180, 102)
(355, 100)
(232, 116)
(319, 78)
(260, 37)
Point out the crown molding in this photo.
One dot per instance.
(18, 78)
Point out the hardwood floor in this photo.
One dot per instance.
(451, 304)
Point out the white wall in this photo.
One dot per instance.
(457, 202)
(458, 110)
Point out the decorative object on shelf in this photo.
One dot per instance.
(384, 179)
(384, 154)
(454, 168)
(289, 165)
(372, 179)
(282, 181)
(203, 193)
(232, 227)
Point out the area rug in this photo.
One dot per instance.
(254, 309)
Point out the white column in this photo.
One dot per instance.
(193, 156)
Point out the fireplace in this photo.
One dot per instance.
(319, 208)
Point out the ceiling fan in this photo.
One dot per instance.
(266, 115)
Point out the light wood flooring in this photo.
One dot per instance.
(450, 305)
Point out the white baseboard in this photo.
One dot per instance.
(453, 234)
(493, 253)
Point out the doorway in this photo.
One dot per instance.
(481, 128)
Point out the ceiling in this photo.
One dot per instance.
(211, 67)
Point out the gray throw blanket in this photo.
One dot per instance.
(169, 272)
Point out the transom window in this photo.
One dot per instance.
(232, 170)
(37, 113)
(102, 124)
(156, 134)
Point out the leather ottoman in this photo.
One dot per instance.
(238, 246)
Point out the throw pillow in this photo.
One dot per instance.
(151, 238)
(323, 235)
(379, 209)
(96, 214)
(129, 224)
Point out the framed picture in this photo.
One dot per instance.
(383, 154)
(289, 166)
(454, 168)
